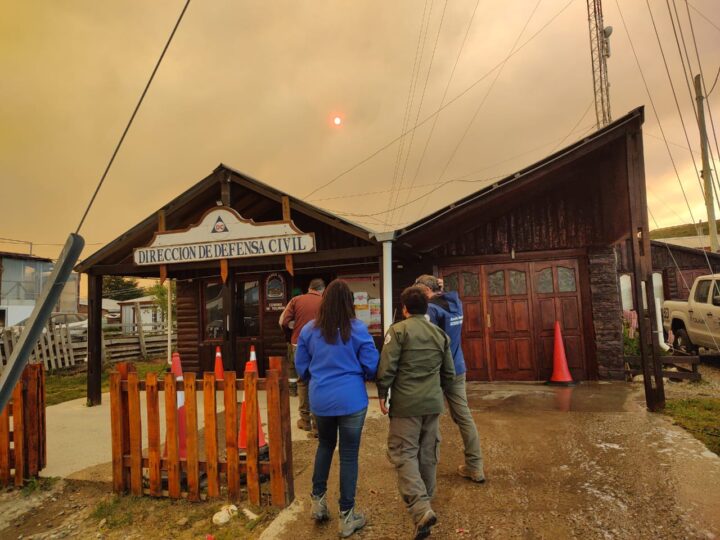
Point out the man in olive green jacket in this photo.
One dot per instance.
(416, 364)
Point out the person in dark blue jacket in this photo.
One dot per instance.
(337, 355)
(446, 311)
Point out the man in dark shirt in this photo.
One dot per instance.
(300, 311)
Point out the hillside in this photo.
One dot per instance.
(675, 231)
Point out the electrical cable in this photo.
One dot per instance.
(687, 76)
(714, 83)
(132, 117)
(481, 104)
(442, 102)
(652, 104)
(704, 16)
(439, 110)
(422, 38)
(677, 103)
(707, 94)
(422, 100)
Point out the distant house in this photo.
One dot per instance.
(150, 313)
(22, 278)
(110, 309)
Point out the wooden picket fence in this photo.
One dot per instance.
(23, 451)
(58, 348)
(165, 474)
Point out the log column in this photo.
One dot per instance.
(94, 368)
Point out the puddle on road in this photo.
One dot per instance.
(585, 397)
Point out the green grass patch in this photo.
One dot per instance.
(60, 387)
(700, 416)
(38, 484)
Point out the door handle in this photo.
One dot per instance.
(488, 320)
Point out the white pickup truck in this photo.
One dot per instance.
(695, 323)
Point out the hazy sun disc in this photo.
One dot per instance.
(337, 120)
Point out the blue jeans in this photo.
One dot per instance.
(350, 428)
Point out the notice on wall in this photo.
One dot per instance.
(375, 316)
(362, 308)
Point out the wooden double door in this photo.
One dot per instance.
(509, 318)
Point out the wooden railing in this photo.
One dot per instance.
(159, 474)
(22, 429)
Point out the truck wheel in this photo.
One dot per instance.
(682, 342)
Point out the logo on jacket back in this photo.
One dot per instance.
(456, 320)
(219, 226)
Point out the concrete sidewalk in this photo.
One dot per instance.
(79, 437)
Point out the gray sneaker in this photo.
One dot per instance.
(422, 527)
(350, 521)
(319, 510)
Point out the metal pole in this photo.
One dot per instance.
(706, 171)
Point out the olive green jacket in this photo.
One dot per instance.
(416, 362)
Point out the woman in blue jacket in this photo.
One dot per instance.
(337, 355)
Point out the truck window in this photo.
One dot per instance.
(702, 290)
(716, 293)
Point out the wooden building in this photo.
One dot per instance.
(537, 247)
(238, 249)
(542, 246)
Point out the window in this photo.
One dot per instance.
(450, 282)
(566, 279)
(214, 312)
(496, 283)
(518, 284)
(545, 281)
(471, 284)
(248, 308)
(716, 293)
(702, 290)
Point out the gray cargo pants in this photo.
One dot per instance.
(461, 415)
(414, 448)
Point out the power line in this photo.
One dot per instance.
(704, 16)
(482, 103)
(422, 38)
(652, 104)
(132, 117)
(439, 110)
(442, 102)
(422, 99)
(714, 83)
(707, 94)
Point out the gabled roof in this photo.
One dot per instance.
(207, 191)
(432, 230)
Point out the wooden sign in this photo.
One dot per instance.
(224, 234)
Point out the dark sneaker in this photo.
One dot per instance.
(350, 521)
(422, 527)
(471, 474)
(319, 511)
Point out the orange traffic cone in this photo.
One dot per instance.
(250, 366)
(176, 370)
(219, 370)
(561, 374)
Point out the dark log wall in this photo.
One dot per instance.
(188, 323)
(607, 312)
(573, 220)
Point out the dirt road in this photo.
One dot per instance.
(582, 463)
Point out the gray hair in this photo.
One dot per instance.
(431, 282)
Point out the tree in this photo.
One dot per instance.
(160, 294)
(120, 288)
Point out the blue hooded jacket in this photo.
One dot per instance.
(445, 310)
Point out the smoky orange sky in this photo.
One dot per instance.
(256, 85)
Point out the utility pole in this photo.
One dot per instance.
(706, 170)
